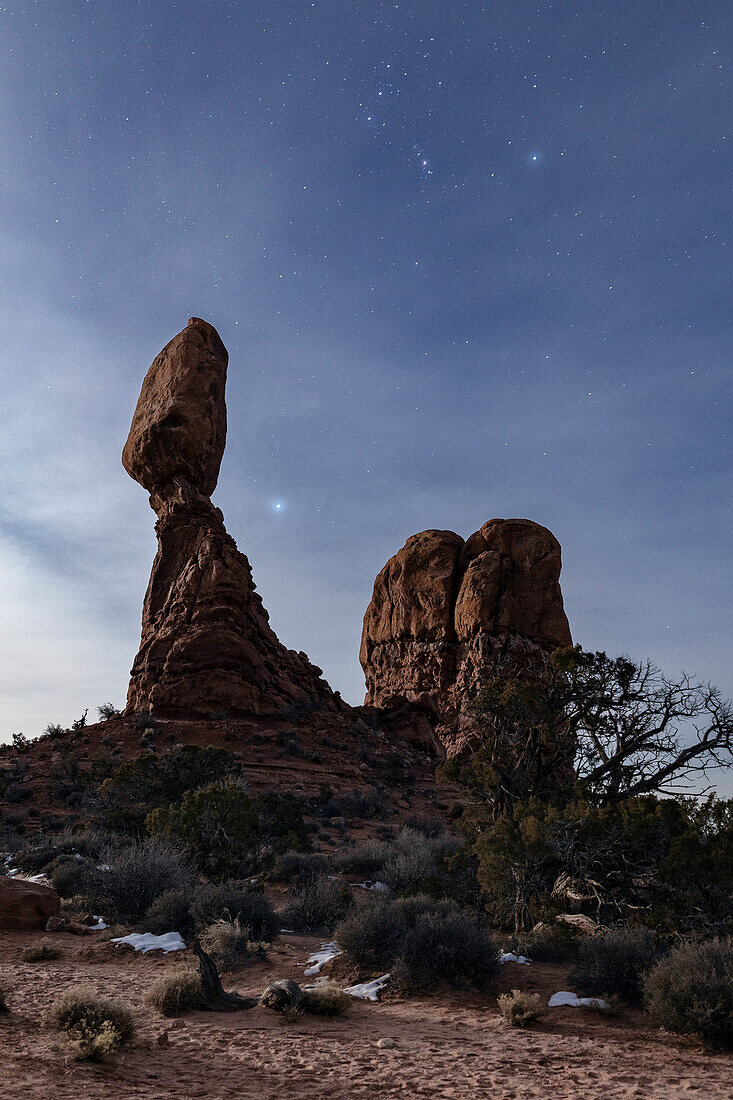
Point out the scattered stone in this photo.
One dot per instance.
(282, 995)
(386, 1044)
(163, 1039)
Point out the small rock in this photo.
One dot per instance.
(386, 1044)
(163, 1039)
(56, 924)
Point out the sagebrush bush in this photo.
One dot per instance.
(326, 1000)
(426, 943)
(232, 900)
(367, 858)
(519, 1008)
(317, 906)
(41, 952)
(369, 935)
(170, 912)
(176, 993)
(70, 876)
(614, 962)
(130, 878)
(446, 948)
(96, 1025)
(298, 868)
(229, 943)
(691, 990)
(551, 943)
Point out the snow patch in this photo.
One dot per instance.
(368, 991)
(99, 926)
(510, 957)
(572, 1000)
(380, 887)
(318, 959)
(146, 941)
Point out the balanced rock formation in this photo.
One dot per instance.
(206, 641)
(444, 612)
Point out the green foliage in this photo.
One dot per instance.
(668, 860)
(176, 993)
(608, 727)
(96, 1025)
(228, 830)
(151, 780)
(614, 963)
(425, 943)
(519, 1008)
(44, 951)
(317, 905)
(691, 990)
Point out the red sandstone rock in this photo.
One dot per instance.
(180, 423)
(26, 905)
(206, 641)
(444, 612)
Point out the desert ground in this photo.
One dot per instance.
(446, 1045)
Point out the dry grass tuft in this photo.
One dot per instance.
(96, 1025)
(327, 1000)
(41, 952)
(176, 993)
(519, 1008)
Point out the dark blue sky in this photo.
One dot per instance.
(470, 260)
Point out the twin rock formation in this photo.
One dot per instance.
(443, 610)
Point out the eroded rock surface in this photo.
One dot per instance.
(206, 641)
(26, 905)
(444, 612)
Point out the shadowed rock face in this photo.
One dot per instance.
(206, 641)
(444, 612)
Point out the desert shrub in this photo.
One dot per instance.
(107, 711)
(70, 876)
(132, 877)
(317, 906)
(96, 1025)
(230, 831)
(425, 942)
(350, 804)
(136, 787)
(89, 843)
(170, 912)
(235, 900)
(175, 993)
(230, 943)
(370, 934)
(550, 943)
(691, 990)
(367, 858)
(41, 952)
(298, 868)
(326, 1000)
(519, 1008)
(614, 962)
(446, 948)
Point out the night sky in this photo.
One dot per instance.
(470, 260)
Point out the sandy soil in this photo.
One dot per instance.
(446, 1045)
